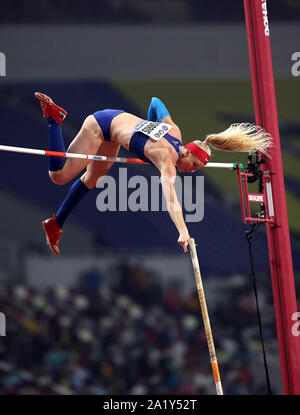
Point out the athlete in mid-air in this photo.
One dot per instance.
(157, 141)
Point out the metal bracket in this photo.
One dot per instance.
(264, 197)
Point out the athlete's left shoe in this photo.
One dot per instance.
(53, 234)
(50, 109)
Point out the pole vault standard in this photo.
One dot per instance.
(38, 152)
(277, 232)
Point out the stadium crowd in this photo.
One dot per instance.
(132, 336)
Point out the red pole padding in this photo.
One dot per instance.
(55, 153)
(280, 257)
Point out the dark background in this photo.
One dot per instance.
(118, 312)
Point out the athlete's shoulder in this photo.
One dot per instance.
(175, 131)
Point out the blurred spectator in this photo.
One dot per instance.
(90, 281)
(140, 338)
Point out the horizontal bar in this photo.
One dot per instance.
(69, 155)
(224, 165)
(96, 157)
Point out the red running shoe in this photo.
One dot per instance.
(53, 233)
(50, 109)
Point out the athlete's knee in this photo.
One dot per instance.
(58, 177)
(89, 181)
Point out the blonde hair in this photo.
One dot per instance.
(238, 137)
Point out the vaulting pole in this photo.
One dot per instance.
(206, 321)
(280, 257)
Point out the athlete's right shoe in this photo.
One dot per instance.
(50, 109)
(53, 234)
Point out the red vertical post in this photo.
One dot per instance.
(280, 257)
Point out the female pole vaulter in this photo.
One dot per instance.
(157, 141)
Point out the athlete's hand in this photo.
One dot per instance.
(183, 240)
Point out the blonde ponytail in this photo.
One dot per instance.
(241, 137)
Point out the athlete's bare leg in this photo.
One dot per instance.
(88, 141)
(97, 169)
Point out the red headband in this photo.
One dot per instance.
(198, 152)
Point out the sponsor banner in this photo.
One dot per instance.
(252, 197)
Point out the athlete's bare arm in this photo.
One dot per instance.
(168, 177)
